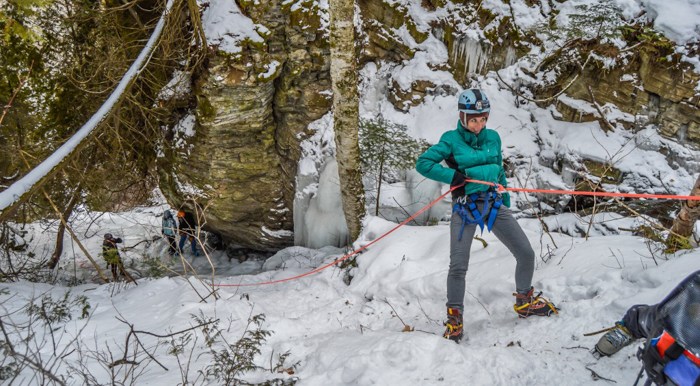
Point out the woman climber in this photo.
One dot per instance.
(471, 151)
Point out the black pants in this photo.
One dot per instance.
(172, 246)
(117, 269)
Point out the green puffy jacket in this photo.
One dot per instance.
(477, 156)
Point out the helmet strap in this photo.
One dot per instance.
(478, 95)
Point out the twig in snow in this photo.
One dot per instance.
(597, 107)
(477, 299)
(597, 376)
(155, 238)
(406, 327)
(426, 314)
(555, 96)
(404, 210)
(544, 226)
(37, 365)
(567, 251)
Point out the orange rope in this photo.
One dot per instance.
(501, 188)
(583, 193)
(348, 255)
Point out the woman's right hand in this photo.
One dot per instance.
(458, 179)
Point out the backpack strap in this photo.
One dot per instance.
(674, 352)
(655, 360)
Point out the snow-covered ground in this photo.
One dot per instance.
(353, 334)
(384, 327)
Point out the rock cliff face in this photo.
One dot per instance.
(253, 108)
(647, 90)
(252, 111)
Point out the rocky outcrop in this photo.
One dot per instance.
(253, 109)
(381, 21)
(647, 90)
(467, 56)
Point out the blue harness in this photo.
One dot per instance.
(466, 205)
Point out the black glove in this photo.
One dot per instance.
(458, 179)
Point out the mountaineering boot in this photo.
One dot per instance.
(527, 305)
(614, 340)
(454, 325)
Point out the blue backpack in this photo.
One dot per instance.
(673, 357)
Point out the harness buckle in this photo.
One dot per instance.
(463, 200)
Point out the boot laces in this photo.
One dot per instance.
(453, 323)
(523, 303)
(618, 336)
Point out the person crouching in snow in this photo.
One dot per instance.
(472, 151)
(671, 355)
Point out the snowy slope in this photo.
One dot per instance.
(349, 334)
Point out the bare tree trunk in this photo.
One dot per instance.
(62, 230)
(685, 221)
(379, 186)
(346, 112)
(75, 238)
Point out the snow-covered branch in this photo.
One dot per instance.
(21, 190)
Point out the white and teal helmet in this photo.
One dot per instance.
(474, 101)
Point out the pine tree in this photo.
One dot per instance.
(385, 149)
(595, 21)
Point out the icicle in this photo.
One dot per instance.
(511, 57)
(473, 55)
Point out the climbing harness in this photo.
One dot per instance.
(467, 204)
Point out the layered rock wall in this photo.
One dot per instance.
(651, 92)
(253, 109)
